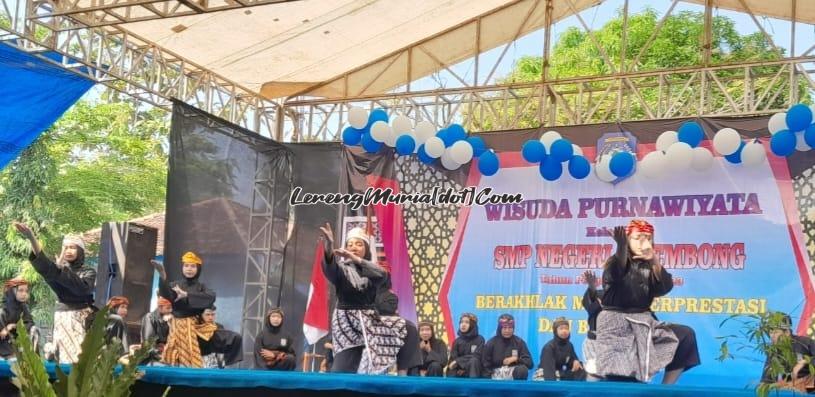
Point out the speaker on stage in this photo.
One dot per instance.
(124, 269)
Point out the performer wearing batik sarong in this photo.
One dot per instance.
(15, 308)
(73, 283)
(274, 348)
(465, 355)
(189, 297)
(630, 343)
(506, 355)
(409, 357)
(363, 342)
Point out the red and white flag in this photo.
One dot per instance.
(315, 322)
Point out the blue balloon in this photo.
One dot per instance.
(809, 136)
(735, 158)
(783, 143)
(622, 163)
(691, 133)
(551, 169)
(456, 132)
(369, 144)
(799, 117)
(376, 115)
(351, 136)
(579, 167)
(488, 163)
(446, 137)
(405, 145)
(533, 151)
(423, 157)
(562, 150)
(478, 145)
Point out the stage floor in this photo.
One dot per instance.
(248, 383)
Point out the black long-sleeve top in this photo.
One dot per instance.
(74, 285)
(629, 285)
(556, 354)
(803, 347)
(199, 297)
(348, 297)
(498, 348)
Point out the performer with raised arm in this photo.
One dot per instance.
(189, 298)
(73, 282)
(632, 278)
(362, 342)
(15, 308)
(465, 355)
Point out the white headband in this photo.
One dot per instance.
(73, 240)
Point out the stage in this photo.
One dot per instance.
(201, 382)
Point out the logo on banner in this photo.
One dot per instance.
(614, 142)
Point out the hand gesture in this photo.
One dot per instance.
(180, 293)
(510, 360)
(576, 366)
(425, 345)
(620, 236)
(344, 253)
(24, 230)
(328, 233)
(452, 364)
(591, 278)
(159, 267)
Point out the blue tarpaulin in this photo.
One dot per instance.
(33, 95)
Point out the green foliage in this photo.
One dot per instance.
(754, 335)
(96, 374)
(94, 165)
(677, 44)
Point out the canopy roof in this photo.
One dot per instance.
(288, 48)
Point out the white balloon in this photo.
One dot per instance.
(434, 147)
(653, 164)
(800, 143)
(548, 137)
(603, 169)
(390, 139)
(401, 124)
(702, 159)
(666, 139)
(578, 151)
(424, 130)
(461, 152)
(679, 156)
(753, 154)
(777, 122)
(380, 131)
(448, 162)
(357, 117)
(727, 141)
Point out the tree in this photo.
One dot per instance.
(94, 165)
(677, 44)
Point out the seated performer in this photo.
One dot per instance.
(224, 348)
(73, 283)
(632, 278)
(558, 358)
(355, 325)
(156, 324)
(15, 307)
(409, 356)
(117, 328)
(273, 346)
(796, 374)
(434, 351)
(505, 355)
(189, 297)
(465, 355)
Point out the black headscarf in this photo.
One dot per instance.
(504, 319)
(473, 331)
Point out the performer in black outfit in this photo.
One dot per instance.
(465, 355)
(355, 326)
(73, 282)
(434, 351)
(274, 348)
(505, 355)
(409, 357)
(796, 374)
(156, 324)
(224, 345)
(15, 307)
(558, 359)
(632, 278)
